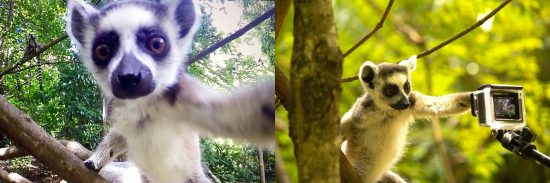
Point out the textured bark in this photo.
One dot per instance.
(261, 166)
(282, 87)
(22, 130)
(76, 148)
(316, 69)
(281, 10)
(12, 177)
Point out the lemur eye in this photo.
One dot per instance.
(407, 87)
(390, 90)
(102, 52)
(156, 45)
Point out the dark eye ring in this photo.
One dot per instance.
(102, 52)
(156, 45)
(390, 90)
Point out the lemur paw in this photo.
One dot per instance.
(263, 124)
(268, 107)
(464, 100)
(91, 165)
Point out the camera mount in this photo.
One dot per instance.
(520, 143)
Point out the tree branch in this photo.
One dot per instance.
(282, 87)
(8, 24)
(370, 34)
(406, 30)
(30, 56)
(231, 37)
(450, 40)
(22, 130)
(41, 64)
(12, 177)
(281, 10)
(76, 148)
(464, 32)
(282, 84)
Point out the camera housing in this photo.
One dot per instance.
(499, 106)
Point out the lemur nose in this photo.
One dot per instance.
(129, 81)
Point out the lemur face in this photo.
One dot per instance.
(133, 48)
(389, 84)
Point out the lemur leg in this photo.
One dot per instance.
(441, 106)
(112, 145)
(390, 177)
(247, 113)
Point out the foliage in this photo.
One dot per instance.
(513, 50)
(236, 162)
(65, 101)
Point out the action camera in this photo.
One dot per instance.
(499, 106)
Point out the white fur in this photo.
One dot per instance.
(157, 146)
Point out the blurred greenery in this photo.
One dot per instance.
(514, 49)
(64, 100)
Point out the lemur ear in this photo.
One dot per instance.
(409, 63)
(78, 19)
(186, 15)
(367, 73)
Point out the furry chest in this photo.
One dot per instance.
(164, 149)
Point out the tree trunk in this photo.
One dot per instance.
(316, 69)
(261, 166)
(22, 130)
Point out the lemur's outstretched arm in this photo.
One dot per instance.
(247, 113)
(424, 106)
(112, 145)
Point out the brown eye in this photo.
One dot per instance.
(102, 52)
(407, 87)
(156, 45)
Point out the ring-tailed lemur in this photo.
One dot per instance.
(374, 130)
(135, 50)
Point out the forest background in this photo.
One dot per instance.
(513, 47)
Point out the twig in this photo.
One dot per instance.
(8, 24)
(406, 30)
(38, 52)
(282, 87)
(472, 27)
(371, 33)
(36, 65)
(457, 36)
(231, 37)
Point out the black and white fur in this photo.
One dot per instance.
(375, 129)
(135, 50)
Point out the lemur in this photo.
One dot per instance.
(374, 130)
(135, 50)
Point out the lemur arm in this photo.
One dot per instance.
(247, 113)
(112, 145)
(424, 106)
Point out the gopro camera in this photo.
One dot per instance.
(499, 106)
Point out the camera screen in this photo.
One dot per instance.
(506, 106)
